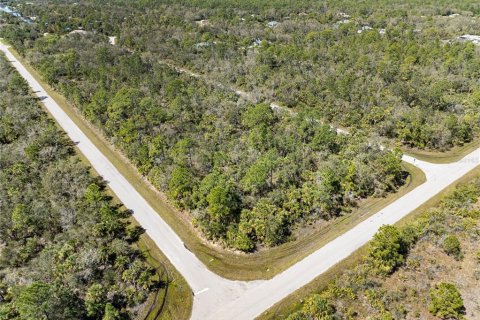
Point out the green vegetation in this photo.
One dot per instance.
(447, 303)
(263, 264)
(237, 167)
(451, 246)
(66, 251)
(386, 67)
(413, 268)
(387, 250)
(252, 177)
(315, 307)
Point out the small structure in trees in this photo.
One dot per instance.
(471, 38)
(202, 23)
(273, 24)
(79, 31)
(364, 28)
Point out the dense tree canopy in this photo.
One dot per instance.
(65, 249)
(392, 70)
(381, 66)
(247, 173)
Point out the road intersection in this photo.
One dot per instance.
(219, 298)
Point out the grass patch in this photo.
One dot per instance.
(452, 155)
(173, 301)
(293, 302)
(260, 265)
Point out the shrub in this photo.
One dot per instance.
(451, 246)
(387, 250)
(447, 303)
(315, 307)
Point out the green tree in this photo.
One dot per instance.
(260, 114)
(93, 194)
(240, 236)
(322, 193)
(42, 301)
(156, 149)
(35, 301)
(18, 85)
(96, 110)
(182, 152)
(270, 223)
(95, 300)
(259, 120)
(259, 175)
(180, 186)
(111, 313)
(123, 103)
(21, 218)
(70, 62)
(391, 164)
(222, 208)
(324, 139)
(110, 224)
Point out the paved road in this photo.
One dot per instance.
(213, 287)
(218, 298)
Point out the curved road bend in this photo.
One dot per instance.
(218, 298)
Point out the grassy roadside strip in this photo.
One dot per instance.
(261, 265)
(293, 302)
(452, 155)
(174, 301)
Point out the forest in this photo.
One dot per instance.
(165, 93)
(392, 69)
(385, 69)
(411, 271)
(247, 174)
(66, 251)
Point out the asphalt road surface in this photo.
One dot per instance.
(218, 298)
